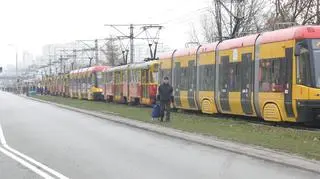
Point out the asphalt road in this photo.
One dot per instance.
(81, 146)
(11, 169)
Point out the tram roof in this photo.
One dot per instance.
(166, 55)
(90, 69)
(117, 68)
(208, 47)
(238, 42)
(143, 65)
(186, 52)
(97, 68)
(298, 32)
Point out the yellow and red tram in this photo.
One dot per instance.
(272, 75)
(134, 83)
(143, 82)
(73, 88)
(87, 83)
(116, 88)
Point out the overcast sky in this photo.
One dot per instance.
(30, 24)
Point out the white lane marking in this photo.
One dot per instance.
(16, 155)
(2, 139)
(34, 162)
(26, 164)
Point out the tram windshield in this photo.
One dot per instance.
(99, 83)
(316, 56)
(154, 77)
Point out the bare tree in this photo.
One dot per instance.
(193, 35)
(294, 12)
(232, 18)
(209, 32)
(112, 52)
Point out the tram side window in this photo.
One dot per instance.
(99, 79)
(94, 81)
(108, 77)
(234, 77)
(144, 76)
(206, 77)
(161, 75)
(83, 82)
(184, 75)
(124, 74)
(90, 80)
(147, 76)
(191, 78)
(102, 79)
(118, 77)
(132, 79)
(303, 77)
(224, 71)
(272, 75)
(77, 83)
(153, 77)
(111, 77)
(182, 78)
(246, 70)
(177, 76)
(188, 78)
(138, 76)
(134, 76)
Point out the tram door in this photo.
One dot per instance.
(192, 83)
(246, 83)
(144, 83)
(288, 87)
(224, 86)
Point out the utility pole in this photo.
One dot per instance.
(50, 61)
(131, 44)
(17, 63)
(61, 63)
(132, 35)
(96, 51)
(16, 50)
(50, 72)
(74, 52)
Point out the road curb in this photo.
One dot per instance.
(261, 153)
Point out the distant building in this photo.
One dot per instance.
(27, 59)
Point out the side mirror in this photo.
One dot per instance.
(297, 50)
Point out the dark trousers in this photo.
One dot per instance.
(165, 108)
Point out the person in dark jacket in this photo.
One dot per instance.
(165, 93)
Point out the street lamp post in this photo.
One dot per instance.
(17, 78)
(16, 63)
(16, 49)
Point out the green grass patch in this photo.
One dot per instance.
(301, 142)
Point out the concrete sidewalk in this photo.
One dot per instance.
(252, 151)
